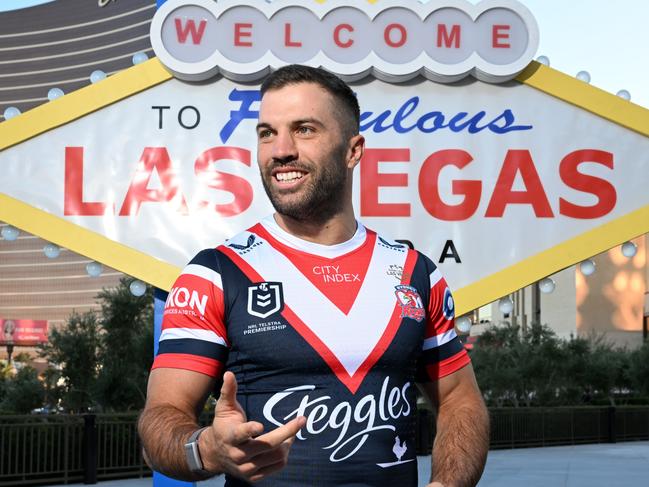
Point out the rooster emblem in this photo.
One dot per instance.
(410, 302)
(399, 449)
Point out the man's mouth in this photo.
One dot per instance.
(289, 176)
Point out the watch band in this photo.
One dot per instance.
(193, 454)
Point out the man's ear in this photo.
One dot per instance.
(356, 150)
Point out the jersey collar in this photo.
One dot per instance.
(328, 251)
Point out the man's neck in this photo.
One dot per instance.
(337, 229)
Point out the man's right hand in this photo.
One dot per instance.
(236, 446)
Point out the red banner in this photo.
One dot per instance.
(23, 332)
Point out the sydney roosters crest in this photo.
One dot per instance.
(410, 302)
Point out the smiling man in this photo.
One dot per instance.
(317, 329)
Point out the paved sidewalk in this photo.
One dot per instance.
(603, 465)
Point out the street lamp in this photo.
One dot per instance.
(9, 328)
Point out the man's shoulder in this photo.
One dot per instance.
(422, 263)
(243, 242)
(402, 245)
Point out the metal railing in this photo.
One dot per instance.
(41, 450)
(528, 427)
(533, 427)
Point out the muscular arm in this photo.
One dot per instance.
(231, 444)
(175, 398)
(462, 440)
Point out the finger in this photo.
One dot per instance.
(268, 470)
(249, 465)
(269, 457)
(274, 438)
(228, 396)
(244, 432)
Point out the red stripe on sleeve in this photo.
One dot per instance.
(448, 366)
(204, 365)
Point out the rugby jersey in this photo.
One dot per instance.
(339, 334)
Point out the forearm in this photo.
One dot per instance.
(164, 430)
(461, 443)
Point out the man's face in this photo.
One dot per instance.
(303, 153)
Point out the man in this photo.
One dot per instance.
(317, 327)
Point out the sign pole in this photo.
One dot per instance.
(160, 296)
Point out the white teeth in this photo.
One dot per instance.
(288, 176)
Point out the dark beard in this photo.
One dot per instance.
(323, 198)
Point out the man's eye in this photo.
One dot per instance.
(305, 130)
(264, 134)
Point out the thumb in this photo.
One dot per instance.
(228, 397)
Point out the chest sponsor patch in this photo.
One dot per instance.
(410, 302)
(265, 298)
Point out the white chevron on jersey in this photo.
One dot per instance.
(351, 338)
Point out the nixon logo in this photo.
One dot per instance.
(181, 297)
(265, 298)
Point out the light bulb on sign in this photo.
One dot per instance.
(505, 305)
(94, 269)
(587, 267)
(54, 93)
(51, 251)
(624, 94)
(543, 60)
(583, 76)
(97, 75)
(546, 285)
(139, 57)
(463, 324)
(137, 287)
(11, 112)
(9, 233)
(629, 249)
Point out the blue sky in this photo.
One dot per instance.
(608, 39)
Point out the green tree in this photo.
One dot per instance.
(75, 349)
(497, 365)
(537, 368)
(606, 370)
(126, 347)
(23, 392)
(53, 391)
(576, 386)
(5, 373)
(637, 373)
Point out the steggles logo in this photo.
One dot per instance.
(369, 413)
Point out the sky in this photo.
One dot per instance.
(609, 39)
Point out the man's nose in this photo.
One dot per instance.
(284, 148)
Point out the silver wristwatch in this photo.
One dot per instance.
(193, 454)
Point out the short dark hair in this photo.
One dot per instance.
(296, 73)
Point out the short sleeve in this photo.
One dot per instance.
(193, 333)
(442, 353)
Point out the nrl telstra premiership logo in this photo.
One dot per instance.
(444, 40)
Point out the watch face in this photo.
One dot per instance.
(193, 457)
(192, 453)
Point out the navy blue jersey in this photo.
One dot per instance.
(339, 334)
